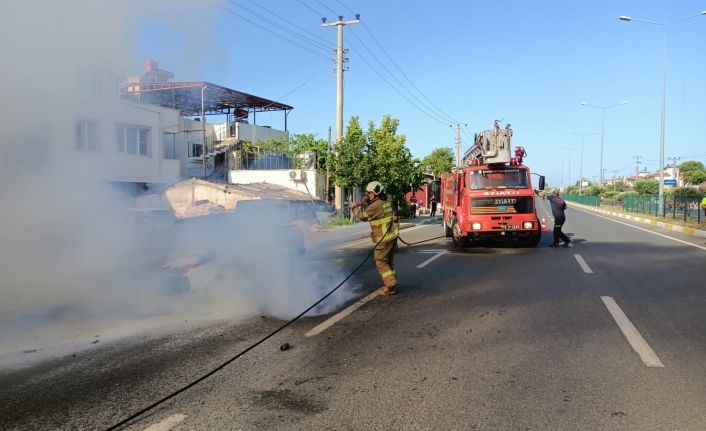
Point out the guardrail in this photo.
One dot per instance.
(687, 208)
(586, 200)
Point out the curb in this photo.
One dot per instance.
(353, 237)
(431, 220)
(668, 226)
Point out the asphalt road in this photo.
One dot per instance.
(609, 334)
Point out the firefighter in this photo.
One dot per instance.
(384, 233)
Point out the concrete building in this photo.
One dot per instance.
(99, 136)
(205, 149)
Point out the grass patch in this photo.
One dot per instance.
(337, 221)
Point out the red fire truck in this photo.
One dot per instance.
(491, 195)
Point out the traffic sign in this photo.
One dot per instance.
(670, 182)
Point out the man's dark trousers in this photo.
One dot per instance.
(558, 234)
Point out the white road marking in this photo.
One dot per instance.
(167, 424)
(541, 203)
(647, 230)
(638, 343)
(362, 241)
(583, 264)
(329, 322)
(432, 259)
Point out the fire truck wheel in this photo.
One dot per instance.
(457, 236)
(530, 241)
(446, 227)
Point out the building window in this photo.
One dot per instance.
(131, 140)
(88, 135)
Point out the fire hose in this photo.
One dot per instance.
(270, 335)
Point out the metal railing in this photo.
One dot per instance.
(586, 200)
(686, 208)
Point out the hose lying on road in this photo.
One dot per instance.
(267, 337)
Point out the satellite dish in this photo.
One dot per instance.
(292, 174)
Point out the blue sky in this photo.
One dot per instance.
(531, 63)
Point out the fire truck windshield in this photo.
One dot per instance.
(488, 179)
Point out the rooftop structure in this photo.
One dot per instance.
(195, 98)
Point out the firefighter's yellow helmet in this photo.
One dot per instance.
(375, 187)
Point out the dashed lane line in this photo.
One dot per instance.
(431, 259)
(638, 343)
(646, 230)
(583, 264)
(167, 424)
(332, 320)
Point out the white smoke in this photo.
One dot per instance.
(67, 257)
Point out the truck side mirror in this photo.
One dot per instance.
(541, 183)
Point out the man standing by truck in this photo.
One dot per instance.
(558, 206)
(384, 233)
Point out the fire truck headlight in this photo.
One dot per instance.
(528, 225)
(476, 226)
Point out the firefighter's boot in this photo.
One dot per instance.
(387, 291)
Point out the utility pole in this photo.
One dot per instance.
(458, 144)
(615, 172)
(637, 164)
(328, 163)
(340, 59)
(674, 165)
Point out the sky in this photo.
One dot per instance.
(465, 62)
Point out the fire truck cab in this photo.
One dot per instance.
(491, 196)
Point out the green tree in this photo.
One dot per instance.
(649, 186)
(572, 190)
(391, 161)
(693, 172)
(691, 165)
(594, 190)
(685, 191)
(441, 161)
(694, 177)
(308, 142)
(621, 186)
(348, 167)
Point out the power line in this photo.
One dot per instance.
(281, 27)
(403, 74)
(275, 34)
(320, 15)
(349, 9)
(393, 87)
(395, 78)
(289, 22)
(326, 7)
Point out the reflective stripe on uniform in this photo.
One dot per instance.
(381, 221)
(389, 273)
(388, 236)
(364, 216)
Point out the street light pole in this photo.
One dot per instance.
(562, 170)
(660, 204)
(581, 168)
(569, 150)
(603, 108)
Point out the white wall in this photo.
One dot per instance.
(279, 177)
(252, 133)
(105, 163)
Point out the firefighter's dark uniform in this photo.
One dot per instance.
(384, 233)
